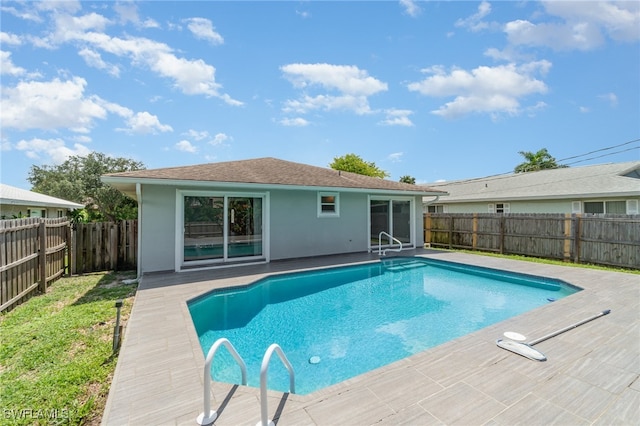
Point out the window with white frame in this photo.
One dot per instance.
(435, 208)
(499, 208)
(599, 207)
(328, 204)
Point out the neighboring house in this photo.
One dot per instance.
(264, 209)
(16, 202)
(604, 188)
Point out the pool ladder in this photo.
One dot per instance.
(208, 416)
(384, 252)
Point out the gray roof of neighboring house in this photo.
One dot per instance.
(12, 195)
(260, 172)
(603, 180)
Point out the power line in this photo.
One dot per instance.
(600, 156)
(511, 173)
(602, 149)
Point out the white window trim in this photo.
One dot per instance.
(336, 212)
(179, 263)
(632, 207)
(576, 207)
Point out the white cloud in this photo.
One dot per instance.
(474, 22)
(50, 105)
(93, 59)
(410, 7)
(51, 149)
(492, 90)
(396, 157)
(128, 12)
(60, 104)
(294, 122)
(12, 39)
(620, 20)
(145, 123)
(7, 66)
(196, 135)
(202, 28)
(344, 78)
(186, 146)
(191, 77)
(611, 98)
(353, 86)
(583, 25)
(397, 117)
(219, 139)
(583, 109)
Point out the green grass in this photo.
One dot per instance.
(552, 261)
(56, 357)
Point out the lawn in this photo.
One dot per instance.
(56, 356)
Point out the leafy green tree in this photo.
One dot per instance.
(540, 160)
(78, 180)
(408, 179)
(354, 164)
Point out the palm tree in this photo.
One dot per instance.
(540, 160)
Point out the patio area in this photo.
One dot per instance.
(590, 377)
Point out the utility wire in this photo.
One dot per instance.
(602, 149)
(510, 173)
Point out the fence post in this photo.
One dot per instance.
(427, 229)
(566, 255)
(577, 237)
(474, 236)
(42, 256)
(450, 232)
(502, 230)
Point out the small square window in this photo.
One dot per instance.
(328, 204)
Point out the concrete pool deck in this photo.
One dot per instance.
(590, 377)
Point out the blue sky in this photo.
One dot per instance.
(434, 90)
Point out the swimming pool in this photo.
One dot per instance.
(355, 319)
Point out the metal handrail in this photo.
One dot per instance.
(384, 252)
(209, 415)
(264, 412)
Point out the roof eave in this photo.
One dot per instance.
(550, 197)
(127, 185)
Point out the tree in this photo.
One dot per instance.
(354, 164)
(408, 179)
(540, 160)
(78, 180)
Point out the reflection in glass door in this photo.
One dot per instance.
(203, 228)
(392, 217)
(244, 218)
(222, 228)
(401, 221)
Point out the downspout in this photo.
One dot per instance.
(139, 238)
(435, 200)
(424, 205)
(139, 254)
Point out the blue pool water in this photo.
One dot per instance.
(358, 318)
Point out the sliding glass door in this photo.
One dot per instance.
(222, 228)
(244, 231)
(390, 220)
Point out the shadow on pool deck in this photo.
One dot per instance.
(590, 377)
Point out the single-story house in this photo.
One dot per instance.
(603, 188)
(16, 202)
(265, 209)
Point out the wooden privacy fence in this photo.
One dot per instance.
(612, 240)
(34, 252)
(104, 246)
(32, 255)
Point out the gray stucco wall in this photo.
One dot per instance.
(295, 230)
(157, 228)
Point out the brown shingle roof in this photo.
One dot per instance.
(266, 171)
